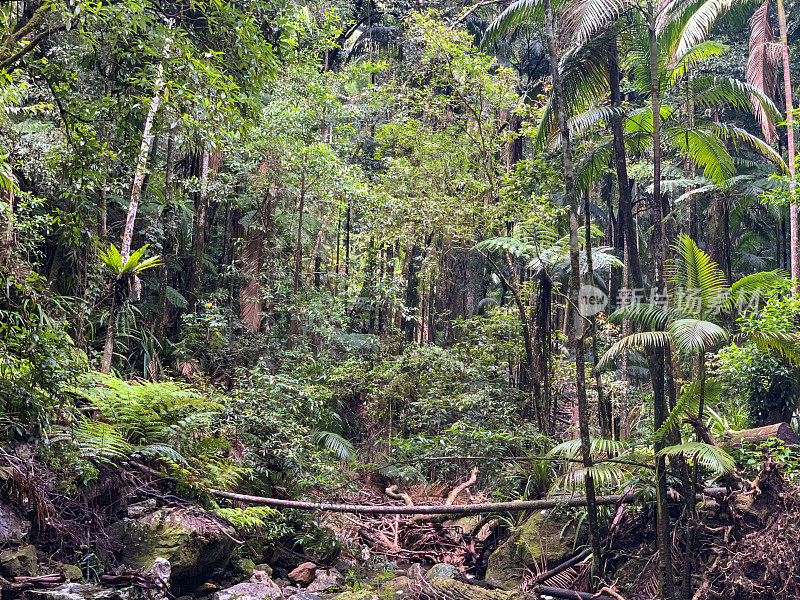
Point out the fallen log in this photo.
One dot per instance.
(780, 431)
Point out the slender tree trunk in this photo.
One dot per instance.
(9, 236)
(199, 234)
(787, 91)
(167, 221)
(136, 194)
(603, 404)
(574, 252)
(621, 165)
(656, 356)
(144, 151)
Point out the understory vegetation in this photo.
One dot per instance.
(393, 253)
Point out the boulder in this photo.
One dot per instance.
(325, 580)
(396, 589)
(304, 596)
(245, 566)
(536, 542)
(415, 572)
(442, 570)
(18, 562)
(304, 574)
(71, 572)
(13, 528)
(249, 591)
(193, 541)
(264, 567)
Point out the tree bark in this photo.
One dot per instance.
(621, 165)
(574, 284)
(144, 151)
(199, 234)
(787, 91)
(168, 222)
(656, 356)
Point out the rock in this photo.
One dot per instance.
(13, 528)
(304, 596)
(18, 562)
(326, 580)
(442, 570)
(194, 542)
(140, 509)
(71, 572)
(161, 571)
(343, 565)
(260, 577)
(263, 567)
(75, 591)
(245, 566)
(206, 588)
(248, 591)
(304, 574)
(536, 542)
(360, 594)
(442, 587)
(397, 588)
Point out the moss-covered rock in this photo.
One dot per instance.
(538, 541)
(18, 562)
(395, 589)
(192, 541)
(71, 572)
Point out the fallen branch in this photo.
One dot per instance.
(462, 509)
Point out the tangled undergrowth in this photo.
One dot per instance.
(757, 556)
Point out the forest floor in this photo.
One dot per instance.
(745, 547)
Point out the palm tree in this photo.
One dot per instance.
(761, 73)
(692, 322)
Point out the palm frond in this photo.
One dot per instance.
(711, 457)
(694, 335)
(518, 13)
(688, 403)
(635, 341)
(341, 447)
(697, 22)
(653, 316)
(599, 446)
(762, 61)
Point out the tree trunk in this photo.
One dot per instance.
(574, 291)
(168, 223)
(144, 151)
(656, 356)
(621, 164)
(787, 91)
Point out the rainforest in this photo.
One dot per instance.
(399, 300)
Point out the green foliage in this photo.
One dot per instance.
(157, 422)
(267, 523)
(132, 266)
(37, 360)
